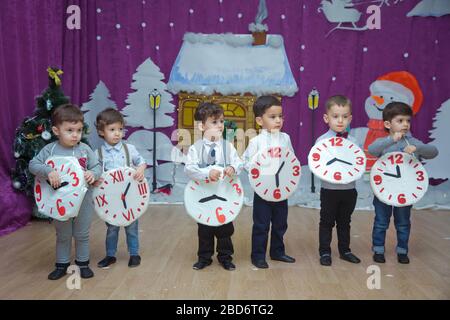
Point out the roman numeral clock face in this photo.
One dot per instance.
(274, 173)
(120, 200)
(337, 160)
(214, 203)
(64, 202)
(398, 179)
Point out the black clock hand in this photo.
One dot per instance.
(277, 179)
(63, 184)
(128, 187)
(213, 197)
(344, 162)
(398, 175)
(398, 171)
(331, 161)
(124, 194)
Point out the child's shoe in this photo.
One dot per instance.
(59, 272)
(134, 261)
(350, 257)
(228, 265)
(85, 271)
(199, 265)
(106, 262)
(325, 260)
(403, 258)
(379, 258)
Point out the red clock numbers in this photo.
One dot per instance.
(275, 152)
(277, 193)
(336, 141)
(236, 187)
(420, 175)
(337, 175)
(61, 209)
(396, 158)
(377, 179)
(101, 201)
(316, 156)
(360, 160)
(51, 164)
(142, 187)
(296, 170)
(401, 198)
(255, 173)
(220, 217)
(38, 192)
(75, 178)
(117, 176)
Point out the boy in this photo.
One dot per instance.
(397, 120)
(204, 153)
(337, 201)
(114, 154)
(269, 115)
(67, 121)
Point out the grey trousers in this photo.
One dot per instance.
(77, 228)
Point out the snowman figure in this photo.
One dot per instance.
(398, 86)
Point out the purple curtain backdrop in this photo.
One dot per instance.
(113, 41)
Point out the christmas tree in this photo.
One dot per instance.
(36, 131)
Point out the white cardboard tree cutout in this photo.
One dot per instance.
(438, 167)
(99, 100)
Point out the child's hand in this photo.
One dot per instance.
(229, 171)
(410, 149)
(397, 136)
(98, 182)
(53, 178)
(214, 174)
(139, 174)
(89, 177)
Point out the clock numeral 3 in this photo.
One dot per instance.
(296, 170)
(359, 160)
(420, 176)
(74, 176)
(236, 187)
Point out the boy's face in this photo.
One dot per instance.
(338, 118)
(68, 133)
(399, 123)
(212, 128)
(112, 133)
(272, 119)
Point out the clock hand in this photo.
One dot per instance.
(128, 187)
(344, 162)
(394, 175)
(398, 171)
(279, 169)
(277, 179)
(124, 194)
(331, 161)
(213, 197)
(63, 184)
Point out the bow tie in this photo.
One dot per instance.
(342, 134)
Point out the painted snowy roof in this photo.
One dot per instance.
(229, 64)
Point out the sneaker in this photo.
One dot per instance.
(199, 265)
(350, 257)
(379, 258)
(106, 262)
(402, 258)
(134, 261)
(325, 260)
(59, 272)
(228, 265)
(85, 271)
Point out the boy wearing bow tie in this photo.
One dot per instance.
(337, 201)
(202, 155)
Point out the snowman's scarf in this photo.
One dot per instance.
(376, 130)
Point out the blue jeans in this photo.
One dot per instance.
(402, 224)
(112, 236)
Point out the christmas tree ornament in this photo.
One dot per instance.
(49, 105)
(46, 135)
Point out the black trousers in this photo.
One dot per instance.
(206, 236)
(264, 213)
(336, 207)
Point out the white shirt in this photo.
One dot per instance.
(195, 159)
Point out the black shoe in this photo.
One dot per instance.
(325, 260)
(85, 271)
(199, 265)
(402, 258)
(106, 262)
(284, 258)
(260, 264)
(134, 261)
(59, 272)
(350, 257)
(379, 258)
(228, 265)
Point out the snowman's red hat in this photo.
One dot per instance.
(408, 81)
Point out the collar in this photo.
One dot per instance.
(209, 142)
(109, 147)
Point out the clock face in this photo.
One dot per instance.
(337, 160)
(64, 202)
(120, 199)
(214, 203)
(398, 179)
(274, 173)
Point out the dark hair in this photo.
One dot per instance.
(394, 109)
(206, 110)
(338, 100)
(107, 117)
(67, 112)
(263, 103)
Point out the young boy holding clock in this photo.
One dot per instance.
(337, 201)
(201, 157)
(115, 154)
(67, 121)
(397, 120)
(269, 115)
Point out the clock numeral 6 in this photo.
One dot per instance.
(316, 156)
(38, 192)
(220, 217)
(275, 152)
(377, 179)
(337, 176)
(255, 173)
(401, 198)
(420, 176)
(359, 160)
(61, 209)
(236, 187)
(277, 193)
(296, 170)
(336, 142)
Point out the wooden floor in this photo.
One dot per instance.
(168, 249)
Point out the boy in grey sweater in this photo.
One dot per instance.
(397, 120)
(67, 121)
